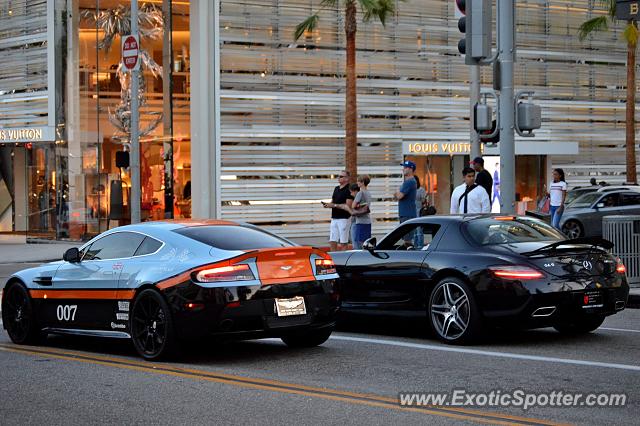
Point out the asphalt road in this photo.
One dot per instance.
(354, 378)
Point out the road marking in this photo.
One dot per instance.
(492, 354)
(628, 330)
(277, 386)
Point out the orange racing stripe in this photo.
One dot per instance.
(83, 294)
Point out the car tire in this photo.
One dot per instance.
(453, 312)
(19, 317)
(573, 229)
(308, 339)
(583, 325)
(151, 326)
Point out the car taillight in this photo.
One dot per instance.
(325, 267)
(620, 268)
(515, 272)
(225, 273)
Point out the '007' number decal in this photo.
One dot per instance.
(66, 312)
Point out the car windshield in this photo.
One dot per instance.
(576, 193)
(508, 230)
(585, 200)
(233, 237)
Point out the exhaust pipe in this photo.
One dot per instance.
(619, 305)
(544, 311)
(226, 324)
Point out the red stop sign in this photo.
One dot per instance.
(130, 50)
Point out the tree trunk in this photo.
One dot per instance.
(631, 111)
(351, 108)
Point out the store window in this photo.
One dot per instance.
(98, 112)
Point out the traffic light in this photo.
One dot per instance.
(493, 139)
(477, 28)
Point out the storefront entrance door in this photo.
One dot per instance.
(42, 200)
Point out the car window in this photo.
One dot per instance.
(410, 237)
(585, 200)
(574, 194)
(114, 246)
(234, 238)
(610, 200)
(631, 199)
(490, 231)
(149, 245)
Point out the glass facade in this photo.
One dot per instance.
(281, 108)
(98, 113)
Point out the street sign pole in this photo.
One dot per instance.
(135, 119)
(474, 98)
(506, 57)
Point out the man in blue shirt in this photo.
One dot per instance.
(406, 195)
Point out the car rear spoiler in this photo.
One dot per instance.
(591, 241)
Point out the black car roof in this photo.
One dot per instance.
(457, 218)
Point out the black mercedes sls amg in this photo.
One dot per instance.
(467, 273)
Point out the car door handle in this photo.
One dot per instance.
(43, 280)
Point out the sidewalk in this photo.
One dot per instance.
(33, 253)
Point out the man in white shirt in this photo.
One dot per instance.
(469, 197)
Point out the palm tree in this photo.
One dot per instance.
(630, 34)
(378, 9)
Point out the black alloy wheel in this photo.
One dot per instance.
(18, 315)
(572, 229)
(453, 312)
(308, 339)
(582, 325)
(151, 326)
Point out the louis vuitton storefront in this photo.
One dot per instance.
(252, 121)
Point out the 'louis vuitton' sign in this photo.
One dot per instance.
(30, 134)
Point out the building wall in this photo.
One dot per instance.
(283, 101)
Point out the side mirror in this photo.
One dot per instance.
(72, 255)
(599, 205)
(370, 244)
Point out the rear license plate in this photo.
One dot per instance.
(288, 307)
(592, 299)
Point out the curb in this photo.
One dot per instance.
(633, 301)
(30, 261)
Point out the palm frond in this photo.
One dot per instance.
(328, 3)
(380, 9)
(592, 25)
(308, 24)
(386, 8)
(609, 6)
(631, 34)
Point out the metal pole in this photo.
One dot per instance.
(506, 57)
(474, 98)
(167, 107)
(135, 119)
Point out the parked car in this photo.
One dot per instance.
(157, 283)
(583, 216)
(577, 192)
(466, 273)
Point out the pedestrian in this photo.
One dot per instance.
(340, 219)
(406, 194)
(469, 197)
(557, 194)
(360, 211)
(483, 177)
(421, 195)
(496, 185)
(593, 182)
